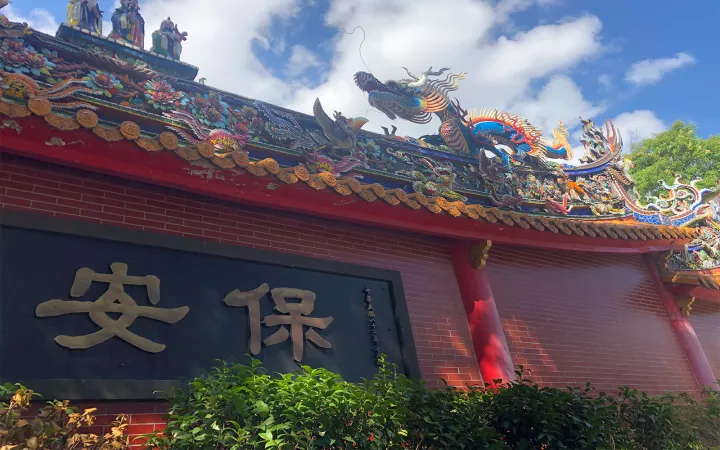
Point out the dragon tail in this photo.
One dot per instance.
(74, 105)
(188, 119)
(184, 134)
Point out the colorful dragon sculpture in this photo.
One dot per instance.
(417, 98)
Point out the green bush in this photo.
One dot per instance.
(241, 407)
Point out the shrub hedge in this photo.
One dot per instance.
(238, 407)
(242, 407)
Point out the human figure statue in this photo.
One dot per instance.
(128, 24)
(167, 41)
(84, 14)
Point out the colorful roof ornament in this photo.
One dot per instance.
(84, 14)
(483, 165)
(128, 24)
(167, 41)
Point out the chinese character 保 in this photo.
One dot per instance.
(114, 300)
(294, 316)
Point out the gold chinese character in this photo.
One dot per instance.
(251, 299)
(296, 319)
(114, 300)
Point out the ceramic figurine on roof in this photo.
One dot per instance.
(416, 98)
(597, 145)
(128, 24)
(167, 41)
(84, 14)
(340, 133)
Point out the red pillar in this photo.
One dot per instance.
(486, 329)
(685, 332)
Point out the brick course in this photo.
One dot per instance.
(577, 317)
(438, 319)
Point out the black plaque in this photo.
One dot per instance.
(39, 260)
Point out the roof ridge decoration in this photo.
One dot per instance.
(49, 76)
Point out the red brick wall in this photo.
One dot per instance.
(438, 319)
(705, 318)
(578, 317)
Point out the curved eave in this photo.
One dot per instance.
(124, 152)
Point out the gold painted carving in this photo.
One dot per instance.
(61, 123)
(223, 163)
(479, 253)
(270, 165)
(114, 300)
(189, 154)
(130, 130)
(149, 145)
(355, 185)
(14, 111)
(256, 169)
(108, 134)
(378, 189)
(685, 305)
(302, 173)
(206, 149)
(87, 118)
(316, 182)
(168, 140)
(241, 158)
(343, 189)
(367, 195)
(40, 106)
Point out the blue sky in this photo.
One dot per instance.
(678, 83)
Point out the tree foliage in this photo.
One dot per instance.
(679, 151)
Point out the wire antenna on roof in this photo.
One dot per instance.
(361, 44)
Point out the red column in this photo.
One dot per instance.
(685, 332)
(486, 328)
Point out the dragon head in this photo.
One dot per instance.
(393, 99)
(413, 99)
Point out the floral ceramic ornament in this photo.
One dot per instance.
(161, 96)
(103, 82)
(17, 57)
(210, 110)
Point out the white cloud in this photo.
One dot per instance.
(39, 18)
(650, 71)
(638, 125)
(559, 99)
(301, 59)
(220, 38)
(506, 7)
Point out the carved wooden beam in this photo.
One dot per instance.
(480, 253)
(685, 305)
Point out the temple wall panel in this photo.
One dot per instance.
(705, 318)
(577, 317)
(438, 319)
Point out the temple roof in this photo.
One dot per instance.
(118, 91)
